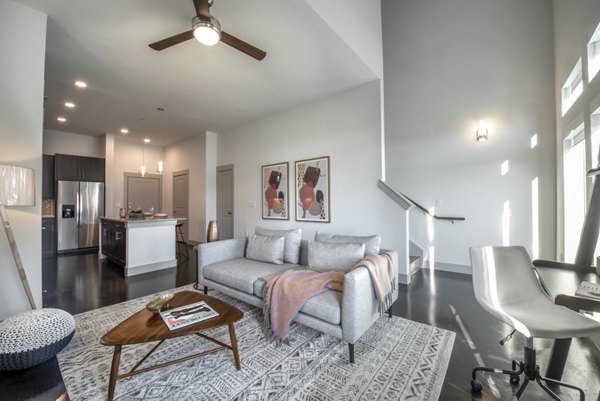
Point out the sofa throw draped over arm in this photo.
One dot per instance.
(286, 293)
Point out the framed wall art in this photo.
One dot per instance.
(275, 204)
(312, 190)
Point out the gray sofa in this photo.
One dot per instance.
(346, 315)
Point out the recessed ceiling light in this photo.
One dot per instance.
(70, 105)
(124, 131)
(61, 119)
(80, 84)
(147, 140)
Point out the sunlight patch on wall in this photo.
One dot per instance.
(504, 168)
(535, 219)
(506, 224)
(534, 141)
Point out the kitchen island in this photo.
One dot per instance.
(138, 245)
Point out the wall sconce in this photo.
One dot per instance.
(161, 167)
(481, 133)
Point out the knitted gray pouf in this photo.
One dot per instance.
(33, 337)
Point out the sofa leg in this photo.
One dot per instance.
(205, 290)
(389, 311)
(351, 352)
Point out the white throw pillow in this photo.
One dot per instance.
(372, 242)
(325, 256)
(291, 248)
(265, 249)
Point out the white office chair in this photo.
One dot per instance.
(506, 286)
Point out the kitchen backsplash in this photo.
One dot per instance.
(48, 208)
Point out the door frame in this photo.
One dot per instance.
(138, 175)
(186, 230)
(227, 167)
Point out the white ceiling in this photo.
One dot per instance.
(202, 88)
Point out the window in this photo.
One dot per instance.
(593, 51)
(572, 88)
(574, 174)
(595, 119)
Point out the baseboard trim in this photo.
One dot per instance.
(141, 269)
(453, 268)
(404, 278)
(444, 267)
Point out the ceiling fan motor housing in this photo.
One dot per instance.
(206, 30)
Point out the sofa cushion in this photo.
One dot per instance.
(265, 249)
(241, 273)
(291, 248)
(372, 242)
(325, 256)
(259, 284)
(325, 306)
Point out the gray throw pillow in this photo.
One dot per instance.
(372, 242)
(291, 248)
(265, 249)
(325, 256)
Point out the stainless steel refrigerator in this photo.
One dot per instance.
(79, 206)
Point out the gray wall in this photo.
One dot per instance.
(23, 44)
(447, 65)
(346, 127)
(574, 23)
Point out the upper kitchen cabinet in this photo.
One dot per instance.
(66, 167)
(92, 169)
(79, 168)
(48, 177)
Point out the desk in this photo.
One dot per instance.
(562, 284)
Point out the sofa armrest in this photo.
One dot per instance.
(219, 251)
(359, 305)
(360, 308)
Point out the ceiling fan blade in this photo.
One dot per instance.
(242, 46)
(172, 41)
(202, 8)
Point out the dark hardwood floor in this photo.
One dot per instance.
(80, 283)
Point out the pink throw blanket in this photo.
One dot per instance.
(380, 267)
(286, 293)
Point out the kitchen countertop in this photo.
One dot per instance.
(141, 221)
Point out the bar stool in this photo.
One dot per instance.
(180, 242)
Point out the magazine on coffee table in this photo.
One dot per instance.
(188, 314)
(588, 290)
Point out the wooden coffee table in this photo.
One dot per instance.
(146, 326)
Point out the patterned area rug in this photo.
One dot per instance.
(396, 359)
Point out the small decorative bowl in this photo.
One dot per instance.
(158, 303)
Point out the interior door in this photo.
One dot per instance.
(144, 193)
(181, 198)
(225, 201)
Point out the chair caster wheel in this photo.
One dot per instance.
(476, 386)
(514, 379)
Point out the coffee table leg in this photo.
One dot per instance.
(114, 372)
(234, 347)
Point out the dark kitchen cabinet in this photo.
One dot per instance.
(48, 177)
(92, 169)
(114, 241)
(66, 167)
(79, 168)
(48, 237)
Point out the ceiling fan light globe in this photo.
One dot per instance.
(207, 32)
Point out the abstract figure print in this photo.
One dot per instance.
(275, 191)
(312, 190)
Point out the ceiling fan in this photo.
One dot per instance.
(207, 30)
